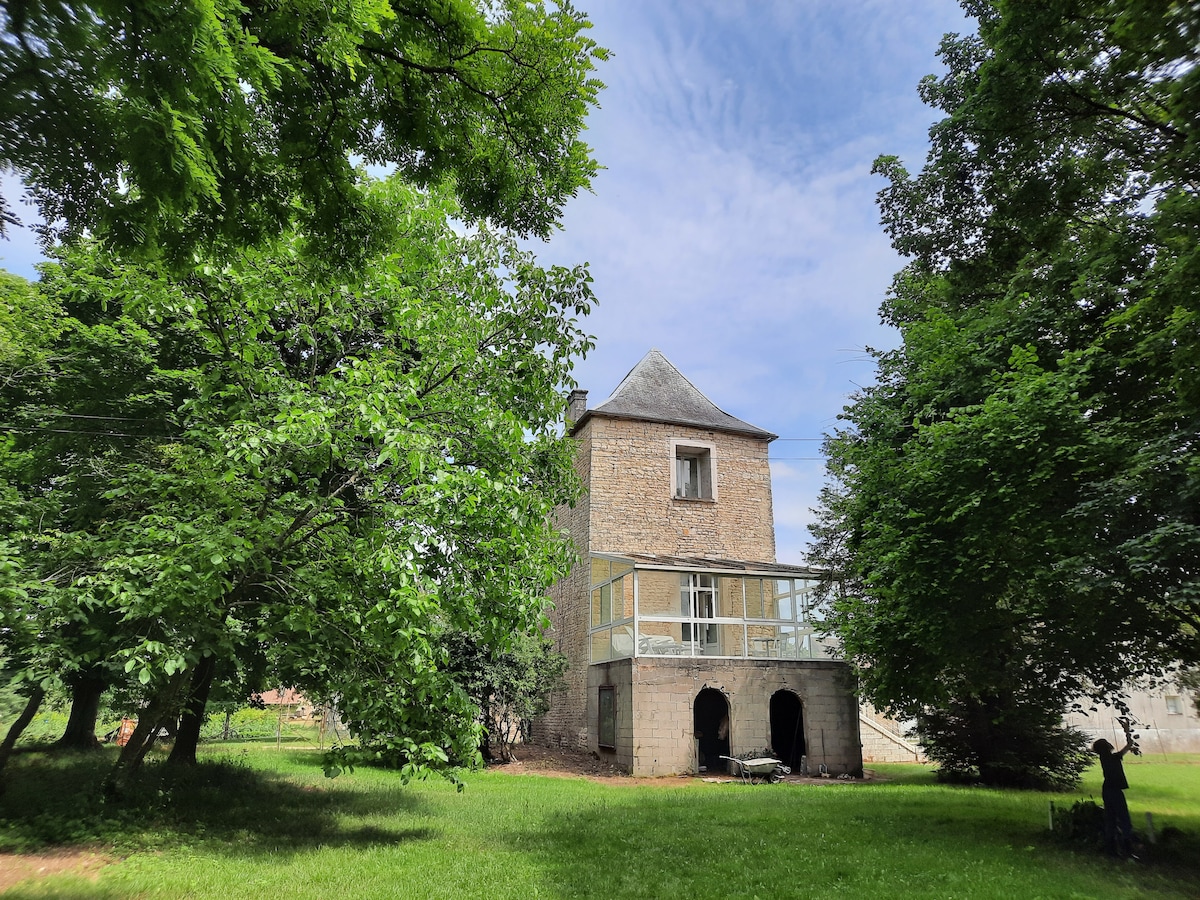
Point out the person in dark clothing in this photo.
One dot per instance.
(1118, 828)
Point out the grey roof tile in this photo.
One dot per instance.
(655, 391)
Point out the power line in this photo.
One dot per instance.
(63, 415)
(34, 429)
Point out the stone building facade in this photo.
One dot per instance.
(687, 643)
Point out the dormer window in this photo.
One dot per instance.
(693, 477)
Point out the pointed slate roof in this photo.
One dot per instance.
(655, 391)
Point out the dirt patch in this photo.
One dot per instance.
(561, 763)
(15, 868)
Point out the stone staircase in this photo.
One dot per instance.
(883, 742)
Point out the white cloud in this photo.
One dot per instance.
(735, 228)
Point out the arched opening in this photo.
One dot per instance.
(787, 728)
(710, 725)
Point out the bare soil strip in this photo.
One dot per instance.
(16, 868)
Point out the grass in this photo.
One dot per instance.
(246, 724)
(265, 822)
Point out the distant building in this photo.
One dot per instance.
(687, 642)
(1166, 720)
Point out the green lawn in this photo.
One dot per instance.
(267, 823)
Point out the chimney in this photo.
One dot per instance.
(576, 406)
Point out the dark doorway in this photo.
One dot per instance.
(711, 728)
(787, 728)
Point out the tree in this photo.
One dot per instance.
(1189, 681)
(1005, 740)
(26, 321)
(166, 126)
(1013, 512)
(509, 684)
(88, 395)
(28, 325)
(313, 424)
(356, 464)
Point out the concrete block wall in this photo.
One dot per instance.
(663, 693)
(882, 741)
(1159, 729)
(663, 698)
(618, 674)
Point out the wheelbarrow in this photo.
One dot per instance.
(753, 771)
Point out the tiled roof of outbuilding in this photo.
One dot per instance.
(655, 391)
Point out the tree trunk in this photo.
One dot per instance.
(80, 733)
(192, 720)
(17, 727)
(161, 707)
(485, 739)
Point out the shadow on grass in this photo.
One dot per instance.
(55, 801)
(796, 841)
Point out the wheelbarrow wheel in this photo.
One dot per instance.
(776, 777)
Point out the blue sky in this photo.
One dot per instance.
(734, 226)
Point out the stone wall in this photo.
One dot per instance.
(565, 725)
(626, 468)
(633, 511)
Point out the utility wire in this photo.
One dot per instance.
(34, 429)
(63, 415)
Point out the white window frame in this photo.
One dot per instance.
(699, 604)
(788, 631)
(705, 452)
